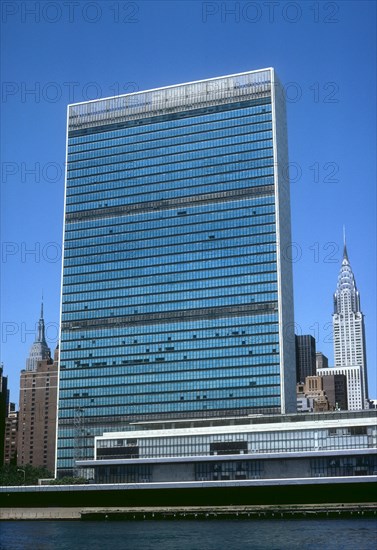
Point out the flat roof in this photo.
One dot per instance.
(169, 100)
(212, 79)
(325, 423)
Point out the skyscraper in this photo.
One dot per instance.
(10, 439)
(177, 293)
(321, 361)
(335, 387)
(305, 356)
(354, 384)
(39, 350)
(4, 403)
(348, 326)
(36, 443)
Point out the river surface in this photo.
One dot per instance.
(329, 534)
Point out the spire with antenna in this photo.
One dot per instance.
(39, 350)
(345, 254)
(346, 283)
(41, 327)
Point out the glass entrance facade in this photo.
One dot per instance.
(177, 288)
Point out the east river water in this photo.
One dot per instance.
(329, 534)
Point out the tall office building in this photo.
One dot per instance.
(335, 388)
(321, 361)
(177, 293)
(10, 439)
(4, 403)
(354, 384)
(36, 443)
(348, 327)
(305, 357)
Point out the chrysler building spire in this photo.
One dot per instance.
(345, 255)
(346, 297)
(348, 324)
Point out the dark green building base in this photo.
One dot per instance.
(97, 496)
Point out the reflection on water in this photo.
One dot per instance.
(355, 534)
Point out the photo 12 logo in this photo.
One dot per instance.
(11, 330)
(37, 172)
(69, 11)
(67, 92)
(270, 12)
(50, 252)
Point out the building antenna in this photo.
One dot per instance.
(345, 254)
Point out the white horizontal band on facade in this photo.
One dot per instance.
(239, 429)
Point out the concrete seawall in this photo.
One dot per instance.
(310, 511)
(39, 513)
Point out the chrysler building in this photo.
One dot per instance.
(349, 335)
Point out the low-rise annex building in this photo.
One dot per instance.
(258, 447)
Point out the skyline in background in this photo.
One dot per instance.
(61, 54)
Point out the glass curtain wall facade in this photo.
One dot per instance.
(177, 286)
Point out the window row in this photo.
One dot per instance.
(208, 146)
(175, 254)
(257, 365)
(74, 314)
(187, 389)
(110, 297)
(247, 376)
(179, 186)
(119, 278)
(193, 242)
(183, 172)
(231, 398)
(154, 266)
(107, 288)
(178, 355)
(261, 322)
(181, 126)
(254, 443)
(95, 300)
(152, 345)
(159, 224)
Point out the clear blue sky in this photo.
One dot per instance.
(55, 53)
